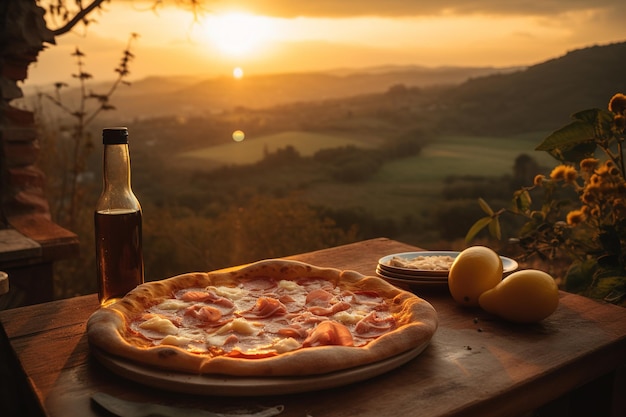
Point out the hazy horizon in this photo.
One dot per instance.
(262, 37)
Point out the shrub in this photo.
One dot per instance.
(582, 214)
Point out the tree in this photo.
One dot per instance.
(24, 34)
(70, 17)
(73, 163)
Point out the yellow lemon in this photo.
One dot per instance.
(474, 271)
(525, 296)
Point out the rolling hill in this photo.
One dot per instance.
(470, 100)
(198, 96)
(540, 97)
(379, 103)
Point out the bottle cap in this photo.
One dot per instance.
(115, 135)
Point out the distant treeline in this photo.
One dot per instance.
(343, 164)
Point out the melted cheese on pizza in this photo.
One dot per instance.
(264, 317)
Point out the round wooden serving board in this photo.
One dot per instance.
(225, 385)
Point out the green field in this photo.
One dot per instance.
(444, 156)
(252, 150)
(406, 188)
(464, 155)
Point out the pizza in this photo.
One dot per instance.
(270, 318)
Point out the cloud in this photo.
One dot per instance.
(397, 8)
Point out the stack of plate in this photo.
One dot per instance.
(389, 268)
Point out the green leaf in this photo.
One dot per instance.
(567, 137)
(601, 119)
(522, 201)
(485, 207)
(579, 277)
(495, 229)
(611, 287)
(593, 280)
(591, 116)
(528, 229)
(477, 227)
(576, 153)
(578, 140)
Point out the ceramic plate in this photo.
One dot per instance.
(385, 261)
(412, 277)
(509, 265)
(412, 280)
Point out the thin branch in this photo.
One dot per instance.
(76, 19)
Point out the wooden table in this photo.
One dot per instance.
(476, 365)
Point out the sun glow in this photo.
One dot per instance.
(237, 33)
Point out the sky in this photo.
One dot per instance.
(278, 36)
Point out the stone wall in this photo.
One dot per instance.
(23, 36)
(24, 208)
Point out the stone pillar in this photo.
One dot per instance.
(29, 241)
(23, 34)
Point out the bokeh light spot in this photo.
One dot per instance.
(238, 135)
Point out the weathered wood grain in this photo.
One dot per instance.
(476, 364)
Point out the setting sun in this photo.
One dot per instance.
(237, 33)
(237, 72)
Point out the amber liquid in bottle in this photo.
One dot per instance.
(117, 221)
(119, 252)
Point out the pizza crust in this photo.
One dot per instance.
(108, 328)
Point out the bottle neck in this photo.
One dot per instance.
(116, 167)
(117, 193)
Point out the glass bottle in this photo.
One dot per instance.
(117, 219)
